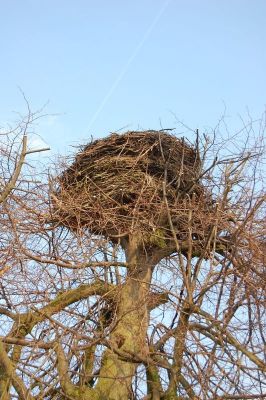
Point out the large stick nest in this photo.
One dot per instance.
(115, 185)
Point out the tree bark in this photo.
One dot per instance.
(129, 334)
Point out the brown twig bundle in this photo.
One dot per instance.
(115, 185)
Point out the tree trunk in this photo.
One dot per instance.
(129, 334)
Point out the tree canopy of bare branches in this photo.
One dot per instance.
(149, 312)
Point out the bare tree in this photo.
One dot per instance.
(135, 270)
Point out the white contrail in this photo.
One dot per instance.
(126, 66)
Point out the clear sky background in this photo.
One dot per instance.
(108, 64)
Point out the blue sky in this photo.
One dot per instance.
(108, 64)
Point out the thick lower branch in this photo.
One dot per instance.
(179, 347)
(9, 371)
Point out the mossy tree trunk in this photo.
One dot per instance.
(129, 334)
